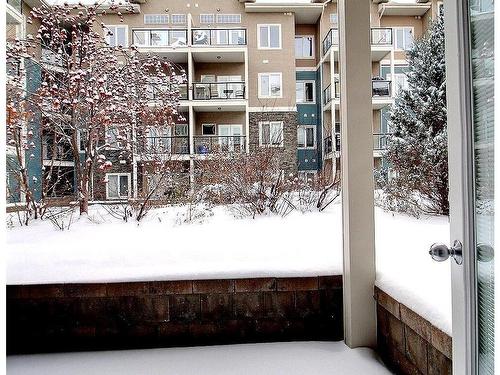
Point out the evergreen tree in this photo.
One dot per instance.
(417, 148)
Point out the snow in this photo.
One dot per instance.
(319, 358)
(161, 248)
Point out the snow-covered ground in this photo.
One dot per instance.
(318, 358)
(162, 247)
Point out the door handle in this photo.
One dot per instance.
(440, 252)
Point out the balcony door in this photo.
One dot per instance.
(230, 137)
(470, 100)
(229, 90)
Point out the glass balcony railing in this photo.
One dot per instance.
(208, 144)
(332, 142)
(380, 141)
(379, 36)
(16, 4)
(381, 88)
(159, 37)
(154, 91)
(218, 90)
(219, 37)
(166, 145)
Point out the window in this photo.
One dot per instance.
(116, 35)
(307, 176)
(270, 85)
(179, 18)
(334, 18)
(271, 133)
(228, 18)
(115, 137)
(304, 47)
(207, 18)
(208, 129)
(441, 9)
(181, 130)
(304, 91)
(306, 136)
(118, 185)
(269, 36)
(155, 19)
(404, 37)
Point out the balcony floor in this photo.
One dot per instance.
(267, 359)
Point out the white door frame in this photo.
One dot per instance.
(458, 92)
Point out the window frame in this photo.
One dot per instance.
(304, 127)
(313, 56)
(395, 36)
(208, 124)
(207, 14)
(268, 25)
(111, 147)
(259, 85)
(178, 23)
(107, 37)
(167, 16)
(237, 15)
(271, 144)
(300, 81)
(129, 185)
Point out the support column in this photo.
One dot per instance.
(357, 173)
(392, 73)
(192, 151)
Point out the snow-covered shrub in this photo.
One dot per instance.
(417, 147)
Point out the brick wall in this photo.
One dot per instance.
(408, 343)
(289, 148)
(63, 317)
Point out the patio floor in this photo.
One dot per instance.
(290, 358)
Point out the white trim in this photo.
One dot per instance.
(268, 25)
(57, 163)
(106, 37)
(313, 57)
(129, 175)
(306, 69)
(300, 126)
(394, 28)
(259, 86)
(272, 109)
(304, 81)
(282, 143)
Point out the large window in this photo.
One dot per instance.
(270, 85)
(228, 18)
(306, 136)
(118, 185)
(304, 47)
(304, 91)
(117, 35)
(269, 36)
(271, 133)
(155, 19)
(403, 37)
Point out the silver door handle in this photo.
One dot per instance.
(440, 252)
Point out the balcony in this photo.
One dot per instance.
(157, 38)
(380, 38)
(218, 90)
(160, 145)
(381, 88)
(219, 37)
(154, 91)
(381, 93)
(208, 144)
(379, 143)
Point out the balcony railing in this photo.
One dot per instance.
(16, 4)
(166, 145)
(51, 58)
(380, 141)
(159, 37)
(381, 88)
(331, 39)
(218, 90)
(381, 36)
(207, 144)
(327, 94)
(153, 91)
(219, 37)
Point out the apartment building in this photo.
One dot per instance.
(259, 74)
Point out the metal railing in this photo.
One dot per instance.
(51, 58)
(219, 37)
(327, 94)
(166, 145)
(327, 145)
(380, 141)
(218, 90)
(381, 88)
(207, 144)
(381, 36)
(331, 39)
(153, 91)
(159, 37)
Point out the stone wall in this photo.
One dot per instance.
(289, 149)
(64, 317)
(408, 343)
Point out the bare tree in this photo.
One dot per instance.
(98, 98)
